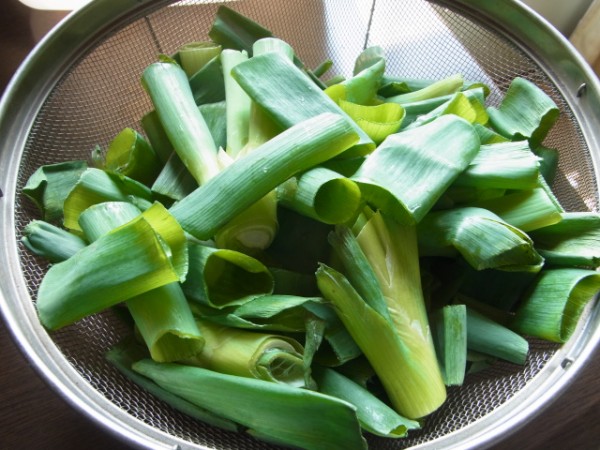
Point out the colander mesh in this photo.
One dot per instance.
(101, 93)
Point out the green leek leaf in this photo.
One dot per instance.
(51, 242)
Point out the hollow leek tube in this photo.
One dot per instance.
(254, 229)
(169, 90)
(237, 101)
(129, 351)
(208, 208)
(274, 412)
(489, 337)
(131, 155)
(321, 194)
(288, 96)
(244, 353)
(410, 170)
(574, 241)
(413, 394)
(480, 236)
(526, 112)
(122, 264)
(553, 305)
(50, 185)
(374, 415)
(97, 186)
(220, 277)
(162, 315)
(50, 241)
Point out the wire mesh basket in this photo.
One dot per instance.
(81, 86)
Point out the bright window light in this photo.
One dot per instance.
(56, 5)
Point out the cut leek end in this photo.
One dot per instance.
(173, 346)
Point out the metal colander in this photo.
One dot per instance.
(81, 86)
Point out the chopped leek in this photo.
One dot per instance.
(50, 241)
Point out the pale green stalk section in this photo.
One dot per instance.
(238, 103)
(170, 92)
(162, 316)
(551, 309)
(273, 412)
(264, 356)
(255, 228)
(211, 206)
(195, 55)
(384, 347)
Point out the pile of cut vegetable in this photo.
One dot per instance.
(313, 261)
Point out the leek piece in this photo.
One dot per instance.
(450, 337)
(378, 121)
(510, 165)
(195, 55)
(131, 155)
(283, 313)
(368, 57)
(207, 84)
(125, 353)
(322, 68)
(51, 242)
(293, 283)
(574, 241)
(174, 181)
(250, 354)
(233, 30)
(255, 228)
(97, 186)
(287, 96)
(169, 90)
(374, 415)
(126, 262)
(467, 105)
(362, 87)
(445, 86)
(481, 237)
(488, 136)
(238, 103)
(391, 178)
(552, 307)
(273, 412)
(548, 162)
(413, 394)
(157, 137)
(321, 194)
(50, 185)
(244, 182)
(162, 315)
(526, 112)
(489, 337)
(220, 278)
(527, 210)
